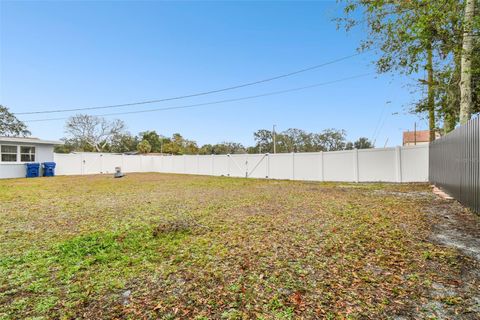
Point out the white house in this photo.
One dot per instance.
(15, 152)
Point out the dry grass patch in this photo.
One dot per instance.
(192, 247)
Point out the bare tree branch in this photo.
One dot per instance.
(94, 131)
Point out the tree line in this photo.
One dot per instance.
(86, 133)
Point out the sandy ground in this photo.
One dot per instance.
(456, 227)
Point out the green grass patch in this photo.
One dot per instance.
(97, 262)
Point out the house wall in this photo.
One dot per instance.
(400, 164)
(43, 153)
(417, 143)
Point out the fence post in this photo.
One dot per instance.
(293, 165)
(213, 165)
(82, 161)
(355, 166)
(322, 177)
(398, 164)
(228, 165)
(198, 164)
(184, 163)
(267, 155)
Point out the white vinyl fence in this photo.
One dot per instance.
(400, 164)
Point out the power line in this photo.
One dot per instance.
(379, 121)
(217, 102)
(380, 128)
(53, 110)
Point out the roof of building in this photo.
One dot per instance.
(422, 136)
(28, 140)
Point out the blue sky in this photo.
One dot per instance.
(80, 54)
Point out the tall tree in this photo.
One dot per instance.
(155, 140)
(10, 125)
(363, 143)
(447, 76)
(228, 148)
(450, 32)
(93, 131)
(330, 140)
(263, 141)
(179, 145)
(448, 96)
(144, 146)
(189, 147)
(297, 140)
(432, 35)
(123, 143)
(406, 33)
(206, 149)
(431, 92)
(466, 98)
(476, 75)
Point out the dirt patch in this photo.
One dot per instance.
(453, 226)
(405, 194)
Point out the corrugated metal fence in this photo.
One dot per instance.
(454, 164)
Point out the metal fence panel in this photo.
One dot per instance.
(455, 164)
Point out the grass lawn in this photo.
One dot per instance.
(192, 247)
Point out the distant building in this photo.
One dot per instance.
(411, 138)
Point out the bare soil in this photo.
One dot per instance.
(454, 226)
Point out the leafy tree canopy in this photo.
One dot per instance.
(363, 143)
(297, 140)
(414, 36)
(144, 146)
(10, 125)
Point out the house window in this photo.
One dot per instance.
(27, 154)
(8, 153)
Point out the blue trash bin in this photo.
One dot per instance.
(49, 169)
(33, 170)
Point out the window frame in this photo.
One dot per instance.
(2, 153)
(18, 153)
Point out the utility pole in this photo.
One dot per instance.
(415, 133)
(274, 140)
